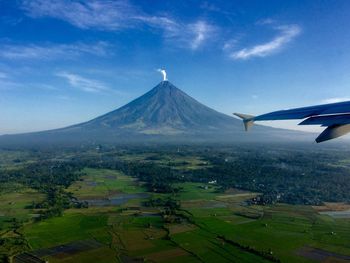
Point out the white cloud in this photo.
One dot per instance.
(82, 83)
(286, 34)
(334, 100)
(115, 15)
(93, 14)
(192, 36)
(52, 51)
(169, 25)
(201, 31)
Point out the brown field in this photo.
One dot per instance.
(234, 191)
(332, 207)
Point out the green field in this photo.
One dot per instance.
(209, 226)
(72, 227)
(99, 183)
(69, 227)
(14, 203)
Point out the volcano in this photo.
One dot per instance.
(165, 113)
(164, 110)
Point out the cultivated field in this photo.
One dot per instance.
(119, 223)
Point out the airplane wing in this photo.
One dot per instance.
(334, 116)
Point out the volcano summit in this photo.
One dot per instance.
(164, 113)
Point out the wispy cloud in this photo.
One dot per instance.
(93, 14)
(192, 36)
(266, 21)
(334, 100)
(108, 15)
(116, 15)
(201, 32)
(286, 34)
(8, 84)
(210, 7)
(12, 21)
(52, 51)
(230, 44)
(166, 23)
(83, 83)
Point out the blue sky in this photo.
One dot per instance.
(64, 62)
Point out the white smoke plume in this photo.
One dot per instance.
(163, 73)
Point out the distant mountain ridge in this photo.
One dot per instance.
(163, 113)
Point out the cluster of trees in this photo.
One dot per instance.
(50, 178)
(170, 203)
(169, 208)
(289, 176)
(281, 174)
(157, 178)
(264, 254)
